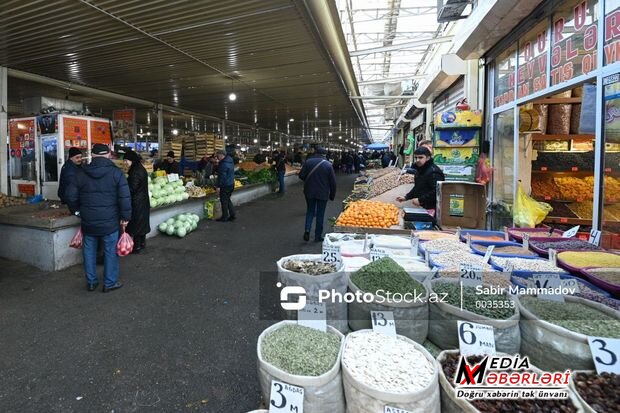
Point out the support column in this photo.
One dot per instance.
(471, 83)
(160, 129)
(4, 127)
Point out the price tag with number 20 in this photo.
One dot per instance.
(606, 354)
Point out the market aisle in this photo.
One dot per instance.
(180, 336)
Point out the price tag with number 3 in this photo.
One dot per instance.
(285, 398)
(606, 354)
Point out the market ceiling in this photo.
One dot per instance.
(187, 54)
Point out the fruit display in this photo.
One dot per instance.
(388, 182)
(369, 214)
(584, 211)
(196, 192)
(544, 187)
(162, 192)
(238, 184)
(572, 189)
(7, 201)
(179, 225)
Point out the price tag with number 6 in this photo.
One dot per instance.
(475, 338)
(331, 254)
(285, 398)
(606, 354)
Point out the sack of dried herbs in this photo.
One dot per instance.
(379, 371)
(554, 335)
(303, 357)
(498, 310)
(308, 271)
(448, 361)
(407, 299)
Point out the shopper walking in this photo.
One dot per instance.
(319, 186)
(137, 178)
(68, 172)
(100, 197)
(280, 167)
(427, 174)
(225, 185)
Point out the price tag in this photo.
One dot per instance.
(458, 232)
(383, 322)
(173, 177)
(390, 409)
(553, 256)
(607, 170)
(378, 253)
(571, 284)
(547, 198)
(606, 354)
(563, 220)
(571, 232)
(508, 267)
(313, 315)
(548, 281)
(487, 255)
(475, 338)
(427, 257)
(415, 243)
(285, 398)
(526, 241)
(468, 239)
(506, 234)
(595, 237)
(471, 275)
(331, 254)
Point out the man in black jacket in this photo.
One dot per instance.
(100, 197)
(424, 193)
(279, 159)
(169, 165)
(319, 186)
(68, 171)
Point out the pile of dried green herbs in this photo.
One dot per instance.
(385, 274)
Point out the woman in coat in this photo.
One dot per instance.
(137, 178)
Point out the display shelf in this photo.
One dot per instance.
(565, 220)
(575, 174)
(541, 137)
(556, 101)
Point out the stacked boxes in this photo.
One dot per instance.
(456, 144)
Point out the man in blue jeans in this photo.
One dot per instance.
(319, 186)
(280, 167)
(100, 197)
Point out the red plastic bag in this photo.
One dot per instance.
(125, 243)
(76, 241)
(484, 172)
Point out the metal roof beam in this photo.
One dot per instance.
(408, 45)
(392, 79)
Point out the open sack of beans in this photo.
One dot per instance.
(598, 393)
(379, 371)
(554, 334)
(303, 357)
(311, 273)
(501, 311)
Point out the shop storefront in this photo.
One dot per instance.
(553, 107)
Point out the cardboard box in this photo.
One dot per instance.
(461, 204)
(456, 156)
(456, 137)
(459, 172)
(458, 119)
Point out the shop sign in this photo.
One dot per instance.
(532, 72)
(124, 125)
(21, 134)
(75, 132)
(574, 42)
(100, 132)
(612, 37)
(504, 92)
(611, 96)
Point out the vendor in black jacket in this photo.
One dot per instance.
(424, 193)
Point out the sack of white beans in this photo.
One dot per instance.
(323, 392)
(443, 318)
(380, 371)
(335, 280)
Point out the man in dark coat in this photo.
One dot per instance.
(424, 193)
(280, 167)
(137, 178)
(319, 186)
(169, 165)
(100, 197)
(68, 171)
(225, 185)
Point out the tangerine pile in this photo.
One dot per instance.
(369, 214)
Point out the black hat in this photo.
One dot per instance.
(170, 154)
(422, 151)
(100, 149)
(74, 151)
(132, 156)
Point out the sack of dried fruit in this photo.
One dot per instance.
(595, 391)
(303, 357)
(311, 273)
(501, 311)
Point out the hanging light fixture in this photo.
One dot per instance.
(232, 97)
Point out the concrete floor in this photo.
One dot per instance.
(179, 336)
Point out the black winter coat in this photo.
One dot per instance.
(67, 175)
(320, 184)
(101, 194)
(140, 207)
(425, 188)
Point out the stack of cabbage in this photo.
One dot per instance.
(179, 225)
(162, 192)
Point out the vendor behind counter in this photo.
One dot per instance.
(427, 174)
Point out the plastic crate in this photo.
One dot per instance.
(500, 244)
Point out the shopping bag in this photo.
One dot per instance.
(484, 172)
(76, 241)
(125, 243)
(527, 211)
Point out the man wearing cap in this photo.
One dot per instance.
(68, 171)
(427, 174)
(319, 186)
(100, 197)
(169, 165)
(225, 184)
